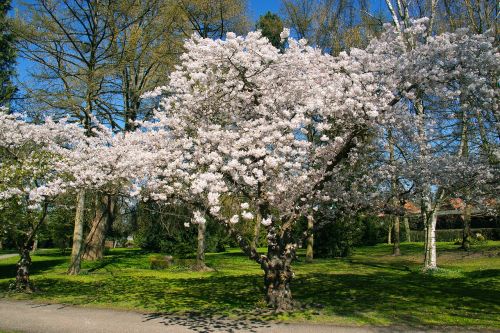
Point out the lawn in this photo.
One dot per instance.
(369, 288)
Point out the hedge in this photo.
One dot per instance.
(451, 235)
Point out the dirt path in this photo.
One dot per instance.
(20, 316)
(5, 256)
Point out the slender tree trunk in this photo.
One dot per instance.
(34, 247)
(467, 233)
(396, 250)
(310, 238)
(94, 243)
(277, 271)
(1, 244)
(430, 260)
(389, 232)
(256, 231)
(200, 253)
(406, 223)
(76, 250)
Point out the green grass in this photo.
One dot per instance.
(369, 288)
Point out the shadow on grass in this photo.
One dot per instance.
(382, 297)
(368, 292)
(412, 298)
(9, 270)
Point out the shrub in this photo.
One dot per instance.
(160, 262)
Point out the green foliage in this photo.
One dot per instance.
(7, 54)
(59, 227)
(338, 237)
(271, 26)
(161, 229)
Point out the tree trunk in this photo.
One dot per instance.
(256, 231)
(200, 253)
(76, 250)
(310, 238)
(430, 260)
(23, 282)
(94, 243)
(35, 245)
(467, 233)
(389, 234)
(277, 271)
(406, 223)
(395, 250)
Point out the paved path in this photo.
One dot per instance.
(20, 316)
(5, 256)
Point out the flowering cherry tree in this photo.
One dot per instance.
(243, 112)
(246, 132)
(29, 180)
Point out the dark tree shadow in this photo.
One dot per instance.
(209, 321)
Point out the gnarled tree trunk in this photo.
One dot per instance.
(76, 250)
(23, 282)
(277, 271)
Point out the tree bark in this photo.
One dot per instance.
(467, 233)
(406, 223)
(310, 238)
(277, 271)
(94, 243)
(76, 250)
(430, 260)
(396, 250)
(34, 247)
(256, 231)
(23, 282)
(389, 232)
(200, 253)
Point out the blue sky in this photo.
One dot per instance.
(255, 7)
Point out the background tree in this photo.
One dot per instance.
(7, 55)
(271, 27)
(213, 19)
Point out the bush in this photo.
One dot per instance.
(452, 235)
(336, 238)
(160, 262)
(178, 249)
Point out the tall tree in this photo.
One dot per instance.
(213, 19)
(7, 55)
(271, 27)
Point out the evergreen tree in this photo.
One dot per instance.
(271, 26)
(7, 55)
